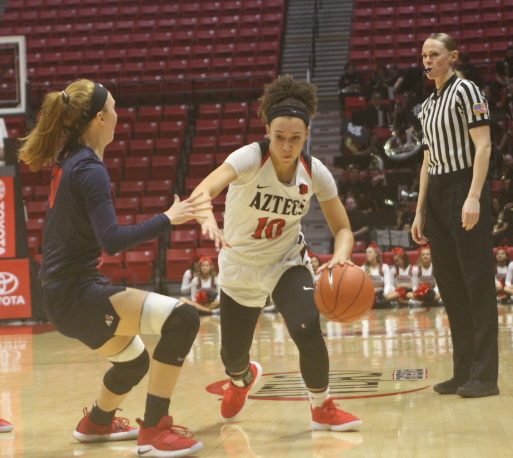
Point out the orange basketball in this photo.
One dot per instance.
(344, 293)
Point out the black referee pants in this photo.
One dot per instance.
(463, 266)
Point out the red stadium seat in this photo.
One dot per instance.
(127, 205)
(136, 168)
(36, 209)
(141, 146)
(131, 188)
(168, 147)
(204, 144)
(163, 167)
(112, 266)
(359, 258)
(155, 204)
(200, 165)
(178, 260)
(35, 226)
(159, 187)
(187, 238)
(140, 264)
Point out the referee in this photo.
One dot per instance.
(454, 205)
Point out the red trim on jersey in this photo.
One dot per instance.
(306, 166)
(54, 185)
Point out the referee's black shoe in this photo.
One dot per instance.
(448, 387)
(478, 389)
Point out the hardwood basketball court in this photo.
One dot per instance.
(382, 369)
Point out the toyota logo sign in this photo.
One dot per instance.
(8, 283)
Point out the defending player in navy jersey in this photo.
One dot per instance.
(270, 185)
(73, 129)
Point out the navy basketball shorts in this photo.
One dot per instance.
(80, 308)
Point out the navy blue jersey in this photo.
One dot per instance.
(81, 219)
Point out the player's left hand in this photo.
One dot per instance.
(470, 213)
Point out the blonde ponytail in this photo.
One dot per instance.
(61, 121)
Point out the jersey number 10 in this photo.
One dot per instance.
(269, 229)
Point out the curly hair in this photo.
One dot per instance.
(285, 90)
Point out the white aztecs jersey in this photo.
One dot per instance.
(263, 215)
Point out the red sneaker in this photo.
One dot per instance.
(234, 397)
(166, 439)
(329, 416)
(118, 430)
(5, 426)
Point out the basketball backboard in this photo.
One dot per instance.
(13, 75)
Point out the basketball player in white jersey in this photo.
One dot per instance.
(270, 185)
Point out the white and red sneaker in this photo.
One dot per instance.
(234, 397)
(329, 416)
(118, 430)
(166, 440)
(5, 426)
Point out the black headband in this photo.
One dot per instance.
(98, 100)
(288, 110)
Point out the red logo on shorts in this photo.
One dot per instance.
(109, 319)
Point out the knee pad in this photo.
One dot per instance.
(157, 308)
(178, 334)
(128, 367)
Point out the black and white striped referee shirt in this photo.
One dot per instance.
(446, 120)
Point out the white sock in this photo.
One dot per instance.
(317, 399)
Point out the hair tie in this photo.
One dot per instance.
(65, 97)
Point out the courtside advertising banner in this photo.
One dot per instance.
(15, 299)
(7, 218)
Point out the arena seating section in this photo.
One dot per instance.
(166, 63)
(392, 31)
(186, 74)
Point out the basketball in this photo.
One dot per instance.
(344, 293)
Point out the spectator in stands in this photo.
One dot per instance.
(503, 225)
(468, 69)
(379, 81)
(400, 278)
(377, 113)
(73, 129)
(353, 184)
(394, 80)
(379, 273)
(204, 287)
(504, 70)
(316, 263)
(425, 291)
(188, 276)
(350, 82)
(503, 139)
(507, 176)
(358, 220)
(502, 267)
(405, 216)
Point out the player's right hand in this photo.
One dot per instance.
(213, 232)
(417, 229)
(191, 208)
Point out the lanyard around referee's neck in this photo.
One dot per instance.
(439, 92)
